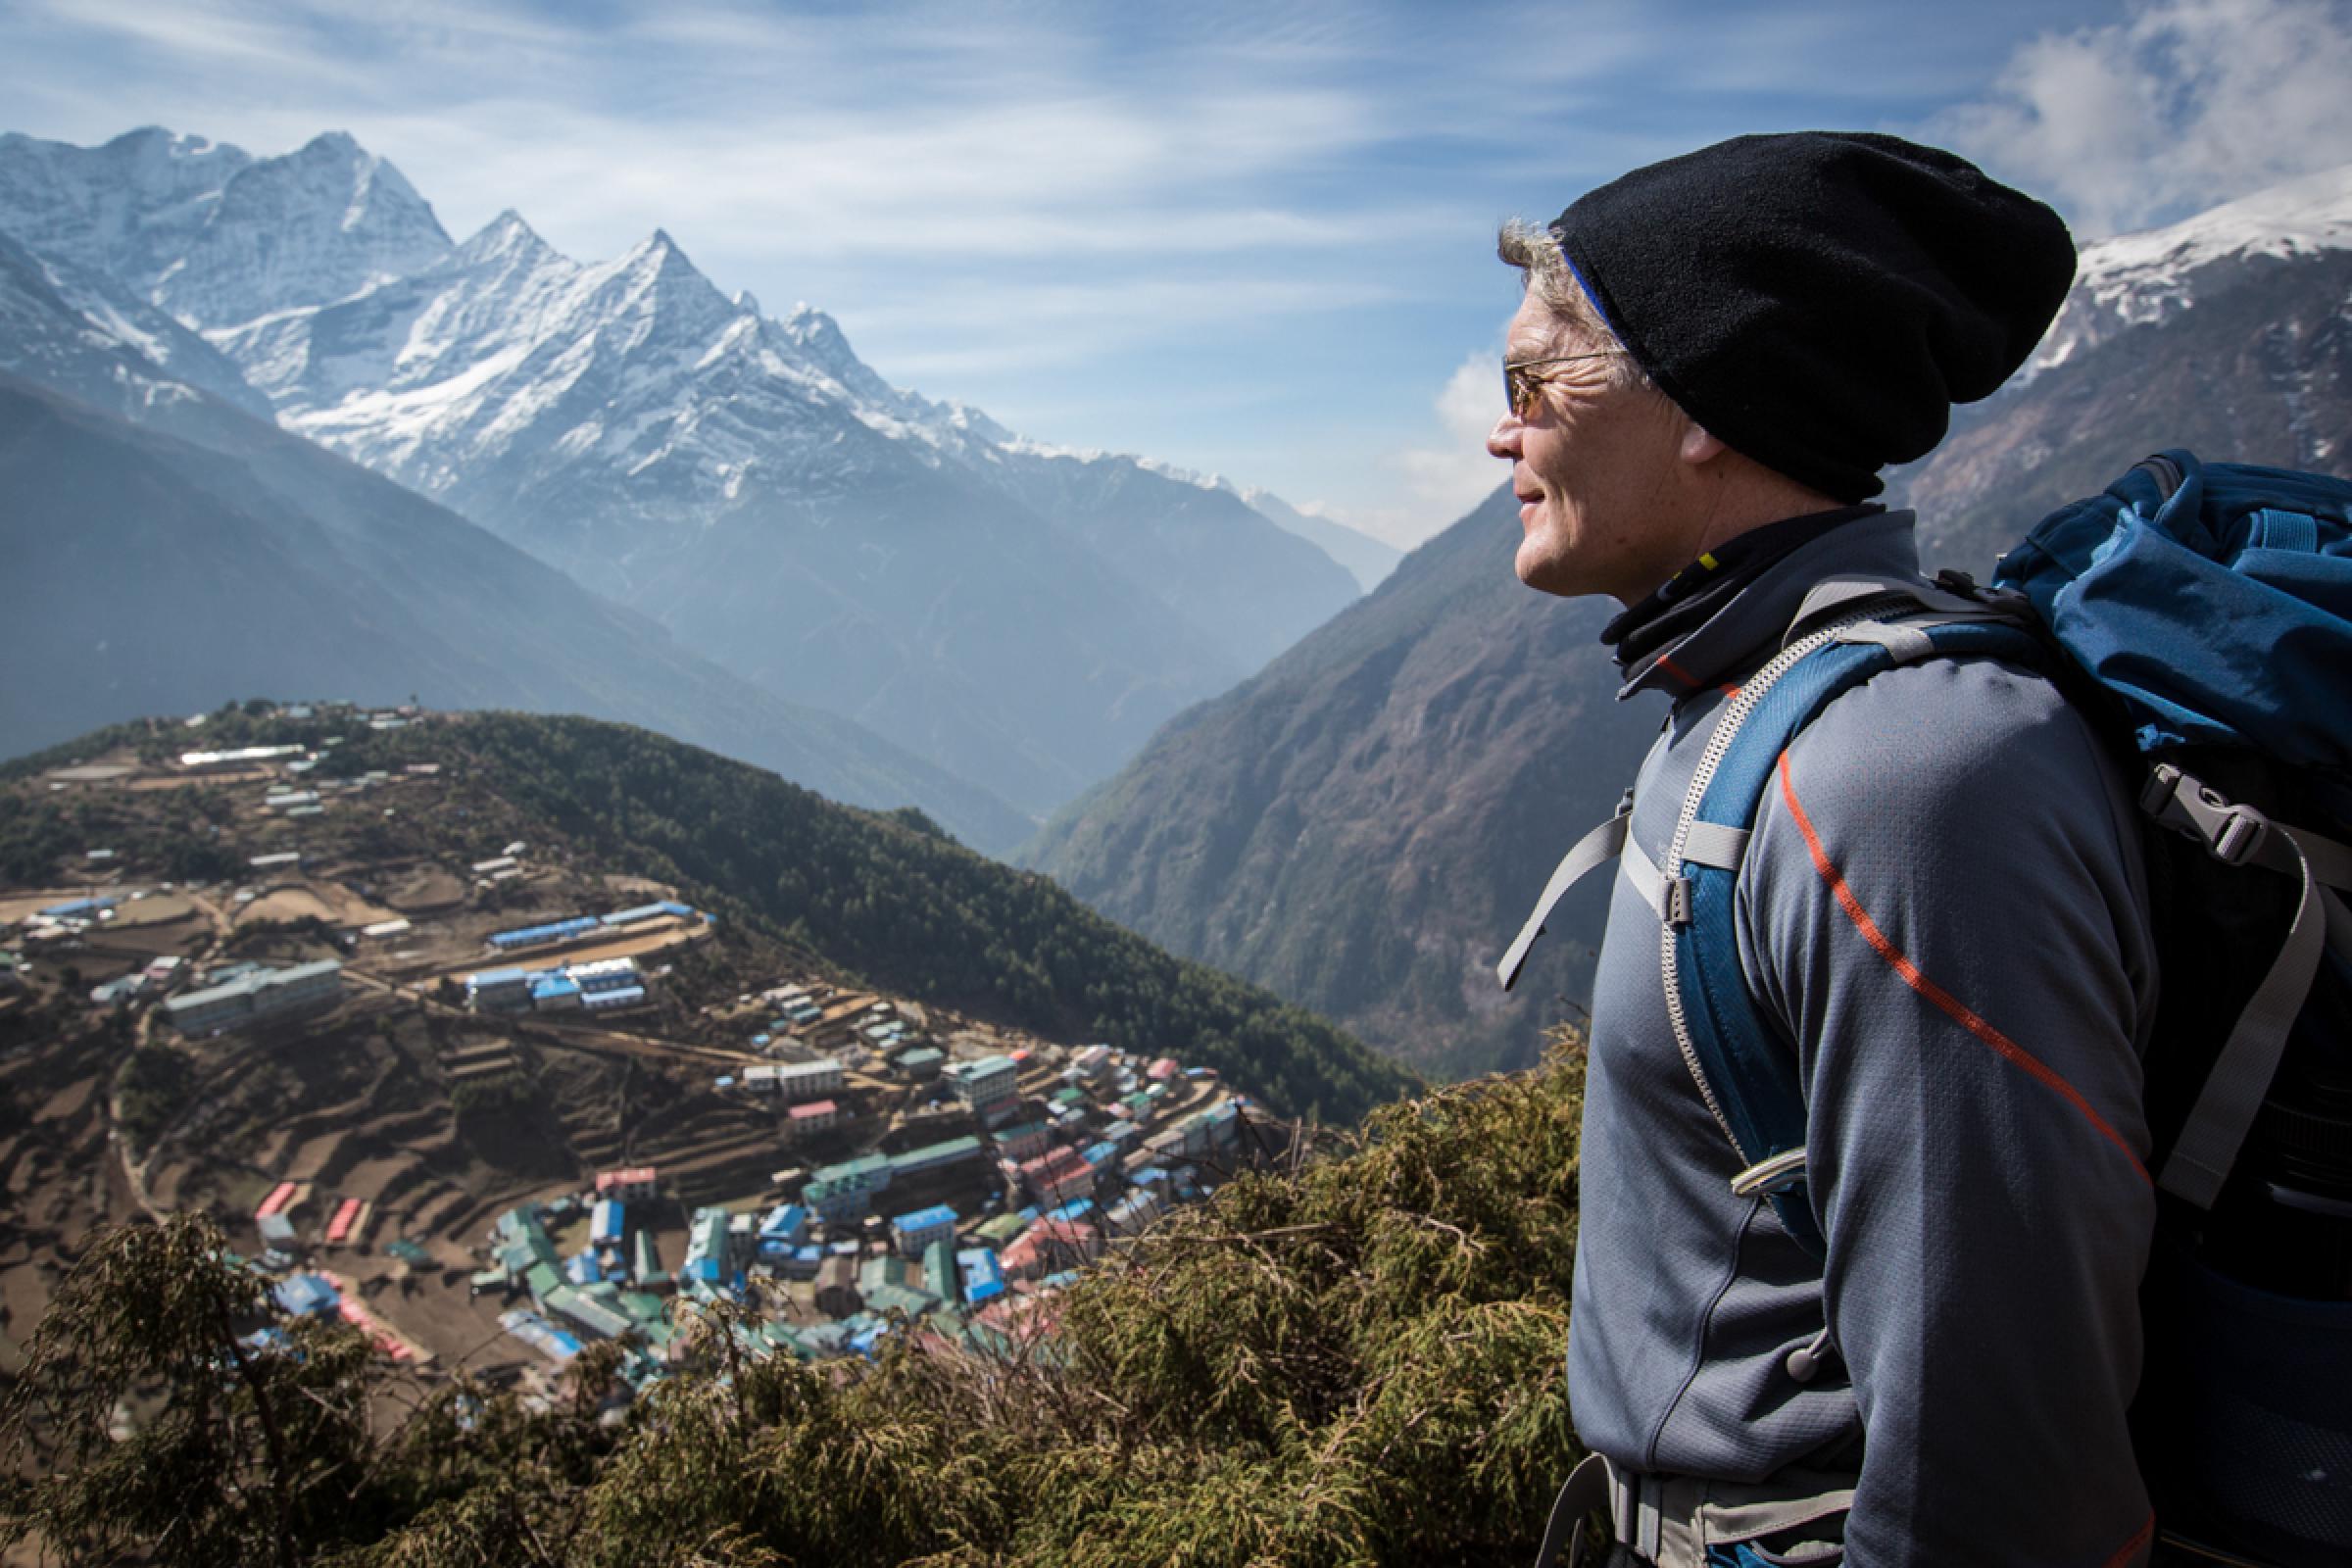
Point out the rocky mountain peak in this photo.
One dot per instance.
(817, 339)
(212, 234)
(2154, 274)
(505, 238)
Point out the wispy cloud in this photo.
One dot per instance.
(1435, 483)
(1244, 235)
(2184, 104)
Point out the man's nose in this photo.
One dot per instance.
(1503, 440)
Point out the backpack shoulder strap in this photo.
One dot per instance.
(2241, 1074)
(1745, 1071)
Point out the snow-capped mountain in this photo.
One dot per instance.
(212, 234)
(2149, 276)
(175, 549)
(1022, 616)
(84, 333)
(2229, 332)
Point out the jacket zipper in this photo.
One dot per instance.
(1719, 743)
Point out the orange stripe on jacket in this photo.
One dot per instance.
(2139, 1538)
(1959, 1012)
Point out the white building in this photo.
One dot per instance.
(984, 1083)
(263, 994)
(809, 1080)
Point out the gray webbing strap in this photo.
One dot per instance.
(1586, 1489)
(1642, 876)
(2239, 834)
(1833, 593)
(1596, 849)
(2330, 862)
(1713, 844)
(1909, 643)
(2224, 1109)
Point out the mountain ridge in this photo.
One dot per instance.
(747, 480)
(1485, 715)
(261, 553)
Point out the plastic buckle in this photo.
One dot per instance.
(2231, 833)
(2242, 831)
(2164, 779)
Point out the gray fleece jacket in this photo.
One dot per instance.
(1942, 910)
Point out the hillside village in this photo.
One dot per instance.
(490, 1105)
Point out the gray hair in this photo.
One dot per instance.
(1531, 248)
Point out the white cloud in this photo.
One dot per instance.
(2183, 104)
(1437, 483)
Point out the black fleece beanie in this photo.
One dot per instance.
(1819, 300)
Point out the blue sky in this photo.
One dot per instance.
(1255, 238)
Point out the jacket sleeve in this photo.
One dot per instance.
(1943, 906)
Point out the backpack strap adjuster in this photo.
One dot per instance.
(2234, 834)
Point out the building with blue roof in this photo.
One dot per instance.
(609, 1225)
(533, 935)
(786, 1227)
(499, 990)
(79, 908)
(308, 1295)
(553, 991)
(539, 1334)
(706, 1248)
(983, 1280)
(918, 1230)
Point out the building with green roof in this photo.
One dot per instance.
(935, 1157)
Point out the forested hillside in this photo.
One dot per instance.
(1363, 826)
(890, 897)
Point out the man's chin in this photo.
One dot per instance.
(1549, 574)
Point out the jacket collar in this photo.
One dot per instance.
(1750, 626)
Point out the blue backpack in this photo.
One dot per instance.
(2203, 614)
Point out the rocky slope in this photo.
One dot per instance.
(1363, 826)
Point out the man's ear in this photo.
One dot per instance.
(1700, 447)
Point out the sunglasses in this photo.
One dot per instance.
(1520, 389)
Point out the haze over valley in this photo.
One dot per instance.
(1018, 616)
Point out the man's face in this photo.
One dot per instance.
(1594, 466)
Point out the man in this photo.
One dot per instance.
(1941, 908)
